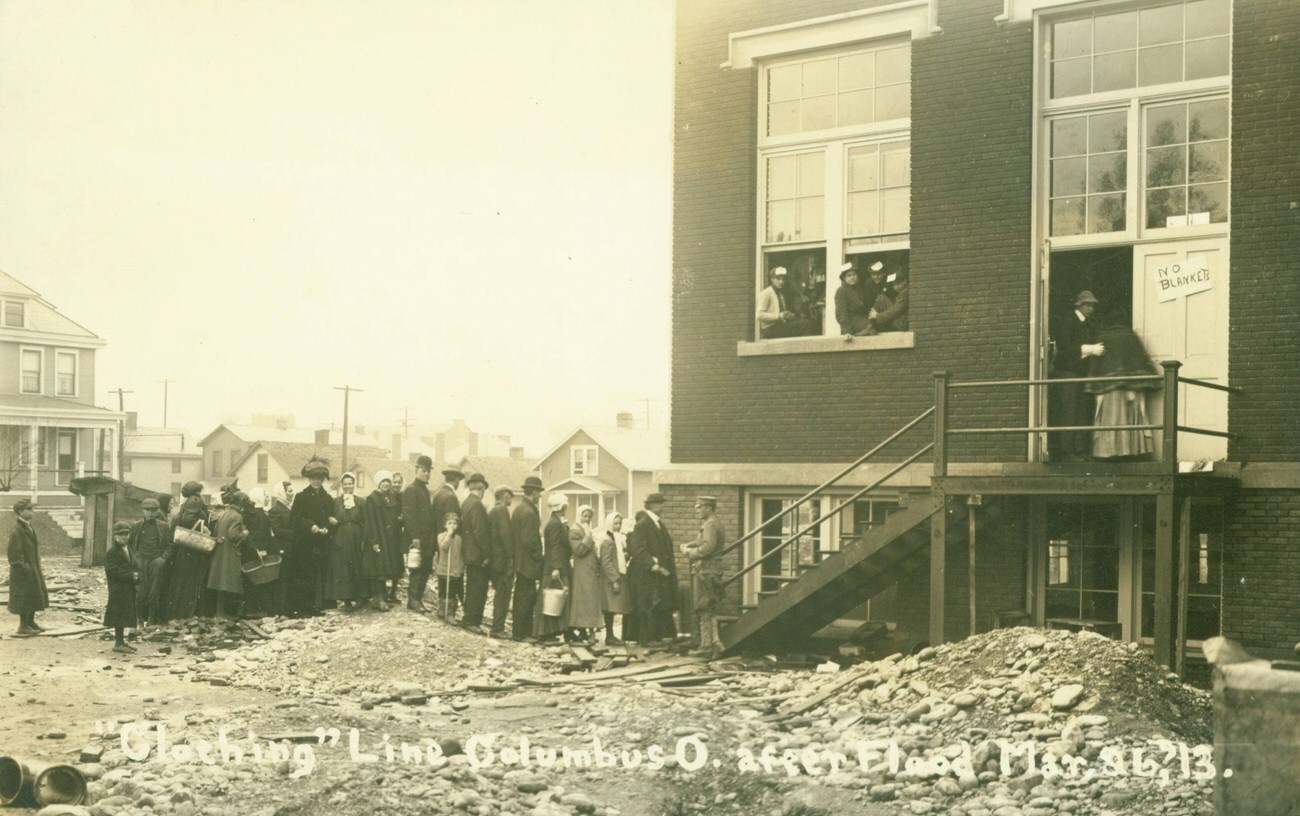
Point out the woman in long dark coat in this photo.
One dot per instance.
(282, 537)
(382, 528)
(187, 570)
(557, 567)
(27, 592)
(397, 555)
(260, 600)
(585, 596)
(226, 575)
(345, 555)
(312, 525)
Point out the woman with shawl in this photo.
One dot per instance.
(346, 552)
(226, 576)
(585, 612)
(1120, 402)
(281, 541)
(615, 592)
(260, 600)
(187, 569)
(382, 528)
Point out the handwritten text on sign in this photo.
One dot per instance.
(1182, 278)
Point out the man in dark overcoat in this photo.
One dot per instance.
(445, 501)
(526, 526)
(1075, 337)
(650, 548)
(475, 550)
(149, 539)
(122, 573)
(419, 532)
(27, 593)
(501, 554)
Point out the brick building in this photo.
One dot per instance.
(1002, 156)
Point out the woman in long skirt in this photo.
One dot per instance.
(557, 569)
(312, 524)
(382, 539)
(226, 576)
(282, 536)
(260, 600)
(585, 602)
(186, 575)
(396, 555)
(346, 552)
(615, 592)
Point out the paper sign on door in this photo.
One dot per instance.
(1181, 278)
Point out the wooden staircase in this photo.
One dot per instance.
(839, 583)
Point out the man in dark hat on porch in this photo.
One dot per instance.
(476, 551)
(526, 526)
(418, 532)
(1075, 337)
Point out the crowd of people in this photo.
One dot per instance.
(298, 554)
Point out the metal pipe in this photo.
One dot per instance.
(1053, 381)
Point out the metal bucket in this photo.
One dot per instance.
(61, 785)
(553, 599)
(413, 558)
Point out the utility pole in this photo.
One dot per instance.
(165, 383)
(347, 392)
(406, 423)
(121, 432)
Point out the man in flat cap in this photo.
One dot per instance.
(704, 554)
(1075, 338)
(419, 532)
(148, 542)
(122, 575)
(780, 309)
(27, 592)
(476, 551)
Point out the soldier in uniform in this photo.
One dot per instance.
(704, 556)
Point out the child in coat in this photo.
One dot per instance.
(122, 578)
(450, 570)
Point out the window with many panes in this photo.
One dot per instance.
(15, 314)
(65, 373)
(584, 460)
(1135, 124)
(264, 467)
(30, 375)
(834, 179)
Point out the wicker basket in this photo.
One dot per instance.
(264, 571)
(195, 539)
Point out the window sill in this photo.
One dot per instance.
(815, 345)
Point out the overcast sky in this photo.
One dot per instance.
(460, 206)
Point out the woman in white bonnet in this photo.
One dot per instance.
(382, 527)
(613, 576)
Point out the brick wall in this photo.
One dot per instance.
(970, 258)
(1261, 594)
(1265, 246)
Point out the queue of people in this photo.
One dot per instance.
(571, 581)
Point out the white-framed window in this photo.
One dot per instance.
(31, 369)
(264, 467)
(584, 460)
(15, 314)
(834, 184)
(65, 373)
(216, 464)
(1135, 121)
(43, 442)
(176, 466)
(66, 466)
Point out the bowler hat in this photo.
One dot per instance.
(476, 478)
(423, 461)
(1085, 297)
(533, 483)
(23, 504)
(506, 489)
(654, 498)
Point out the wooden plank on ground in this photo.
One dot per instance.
(78, 631)
(848, 678)
(582, 653)
(626, 671)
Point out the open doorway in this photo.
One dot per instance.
(1106, 272)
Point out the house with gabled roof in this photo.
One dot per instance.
(51, 431)
(608, 468)
(269, 462)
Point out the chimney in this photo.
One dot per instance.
(323, 436)
(625, 419)
(396, 455)
(517, 453)
(132, 419)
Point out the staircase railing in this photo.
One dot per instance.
(821, 489)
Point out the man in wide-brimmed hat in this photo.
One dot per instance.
(1075, 337)
(526, 526)
(476, 550)
(652, 571)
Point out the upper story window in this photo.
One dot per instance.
(216, 464)
(15, 314)
(30, 375)
(65, 373)
(264, 467)
(1135, 121)
(584, 460)
(1139, 48)
(835, 187)
(176, 466)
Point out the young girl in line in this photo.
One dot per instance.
(450, 570)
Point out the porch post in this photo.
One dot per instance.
(34, 463)
(112, 453)
(938, 558)
(1164, 634)
(1184, 556)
